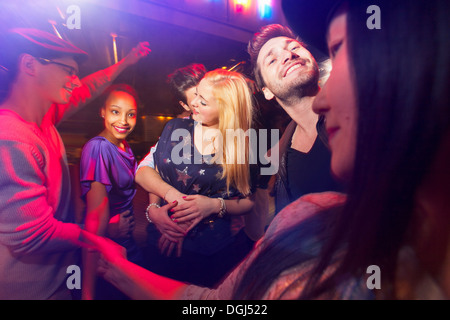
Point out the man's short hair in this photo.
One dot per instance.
(185, 78)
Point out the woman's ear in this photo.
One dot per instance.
(102, 112)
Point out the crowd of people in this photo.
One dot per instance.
(362, 176)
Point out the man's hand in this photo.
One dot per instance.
(137, 53)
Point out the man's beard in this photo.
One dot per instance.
(307, 85)
(309, 88)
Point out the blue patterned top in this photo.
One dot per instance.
(182, 166)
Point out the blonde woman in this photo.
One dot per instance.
(203, 172)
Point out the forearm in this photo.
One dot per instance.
(97, 209)
(140, 284)
(116, 69)
(27, 219)
(100, 80)
(93, 86)
(107, 75)
(153, 198)
(239, 206)
(131, 279)
(150, 180)
(90, 262)
(97, 214)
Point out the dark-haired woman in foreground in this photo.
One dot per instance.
(387, 108)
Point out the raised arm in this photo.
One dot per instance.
(94, 84)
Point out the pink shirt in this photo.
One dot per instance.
(36, 241)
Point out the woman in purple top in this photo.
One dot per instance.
(107, 182)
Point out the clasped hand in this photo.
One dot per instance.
(187, 212)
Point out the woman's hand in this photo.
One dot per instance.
(110, 250)
(112, 254)
(121, 225)
(195, 209)
(167, 246)
(165, 224)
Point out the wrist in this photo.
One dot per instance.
(222, 208)
(150, 208)
(172, 194)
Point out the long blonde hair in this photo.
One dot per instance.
(235, 103)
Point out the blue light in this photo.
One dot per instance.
(265, 9)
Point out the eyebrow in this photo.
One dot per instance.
(116, 106)
(196, 91)
(287, 42)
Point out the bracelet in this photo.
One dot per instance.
(223, 208)
(148, 208)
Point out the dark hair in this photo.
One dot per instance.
(185, 78)
(123, 87)
(259, 40)
(403, 114)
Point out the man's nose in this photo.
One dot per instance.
(288, 55)
(76, 82)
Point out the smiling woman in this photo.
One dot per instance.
(119, 113)
(107, 182)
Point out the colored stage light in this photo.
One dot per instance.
(241, 5)
(265, 9)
